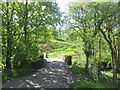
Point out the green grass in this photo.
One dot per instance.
(14, 73)
(90, 84)
(78, 70)
(86, 80)
(67, 51)
(63, 47)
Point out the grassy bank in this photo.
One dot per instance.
(90, 84)
(89, 79)
(14, 73)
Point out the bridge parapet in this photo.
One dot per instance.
(67, 58)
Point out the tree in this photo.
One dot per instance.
(107, 25)
(90, 20)
(81, 23)
(24, 24)
(7, 23)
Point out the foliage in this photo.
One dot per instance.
(96, 24)
(31, 29)
(24, 25)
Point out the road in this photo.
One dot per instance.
(55, 74)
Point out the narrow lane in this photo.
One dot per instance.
(55, 74)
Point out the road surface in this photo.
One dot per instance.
(55, 74)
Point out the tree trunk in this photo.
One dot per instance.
(26, 20)
(23, 62)
(114, 66)
(118, 52)
(99, 71)
(87, 62)
(113, 53)
(9, 41)
(118, 39)
(87, 53)
(99, 62)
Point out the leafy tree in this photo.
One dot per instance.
(107, 26)
(90, 20)
(81, 23)
(24, 25)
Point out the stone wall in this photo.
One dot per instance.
(67, 58)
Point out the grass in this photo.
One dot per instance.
(63, 47)
(90, 84)
(67, 51)
(86, 80)
(14, 73)
(78, 70)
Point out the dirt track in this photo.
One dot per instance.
(55, 74)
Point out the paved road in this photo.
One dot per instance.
(55, 74)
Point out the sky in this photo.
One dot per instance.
(63, 4)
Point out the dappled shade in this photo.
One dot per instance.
(55, 74)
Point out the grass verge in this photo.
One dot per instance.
(14, 73)
(90, 84)
(87, 81)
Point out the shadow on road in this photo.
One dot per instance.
(55, 74)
